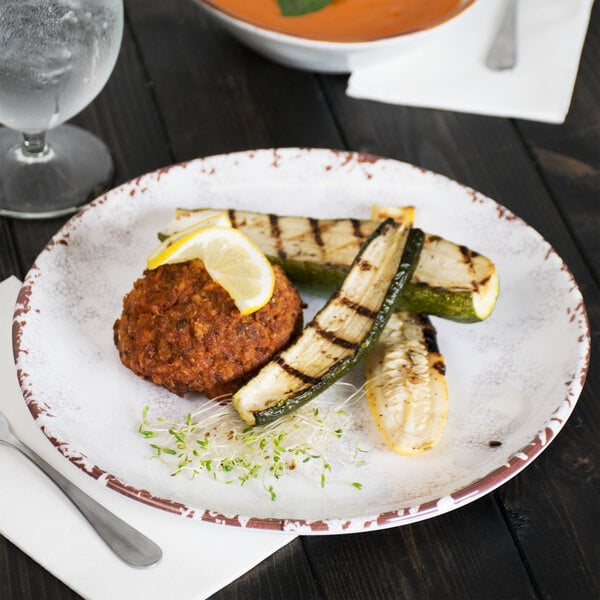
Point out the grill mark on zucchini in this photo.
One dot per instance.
(355, 306)
(357, 229)
(316, 231)
(276, 234)
(468, 256)
(303, 377)
(468, 253)
(332, 337)
(429, 334)
(440, 367)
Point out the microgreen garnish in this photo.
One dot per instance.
(214, 442)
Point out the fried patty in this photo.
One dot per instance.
(180, 329)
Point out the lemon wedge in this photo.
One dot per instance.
(156, 257)
(229, 256)
(185, 218)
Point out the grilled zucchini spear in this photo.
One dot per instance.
(406, 384)
(450, 281)
(341, 333)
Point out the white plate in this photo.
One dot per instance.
(514, 378)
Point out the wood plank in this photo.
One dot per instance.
(233, 99)
(21, 578)
(565, 481)
(285, 574)
(458, 555)
(9, 261)
(568, 156)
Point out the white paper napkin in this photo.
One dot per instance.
(198, 558)
(448, 72)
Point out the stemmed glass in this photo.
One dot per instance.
(55, 57)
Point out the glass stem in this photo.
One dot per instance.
(34, 144)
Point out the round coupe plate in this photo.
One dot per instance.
(513, 379)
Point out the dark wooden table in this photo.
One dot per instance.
(182, 89)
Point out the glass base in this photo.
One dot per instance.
(75, 169)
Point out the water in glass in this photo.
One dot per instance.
(55, 57)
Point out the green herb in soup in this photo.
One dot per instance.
(295, 8)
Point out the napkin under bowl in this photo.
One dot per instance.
(450, 72)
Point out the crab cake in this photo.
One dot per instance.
(180, 329)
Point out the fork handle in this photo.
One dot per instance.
(503, 51)
(130, 545)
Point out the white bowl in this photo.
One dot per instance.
(323, 56)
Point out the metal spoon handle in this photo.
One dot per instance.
(503, 51)
(127, 543)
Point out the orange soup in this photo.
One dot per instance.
(347, 20)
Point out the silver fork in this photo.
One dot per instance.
(503, 51)
(127, 543)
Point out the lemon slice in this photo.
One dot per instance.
(155, 258)
(230, 258)
(185, 218)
